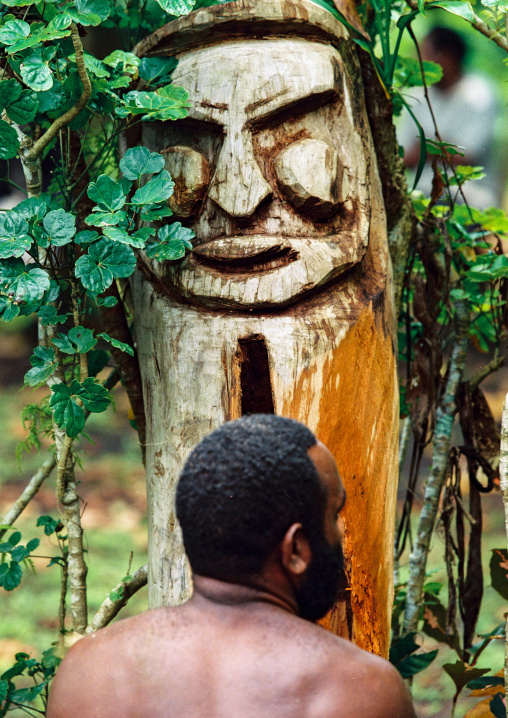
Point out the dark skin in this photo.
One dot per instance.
(233, 651)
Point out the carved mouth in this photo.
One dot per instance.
(250, 254)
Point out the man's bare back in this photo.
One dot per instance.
(232, 653)
(246, 645)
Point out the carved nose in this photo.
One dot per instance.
(238, 186)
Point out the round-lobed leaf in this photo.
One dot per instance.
(13, 31)
(60, 227)
(107, 193)
(24, 108)
(177, 7)
(14, 238)
(105, 261)
(23, 283)
(36, 73)
(174, 241)
(9, 143)
(156, 190)
(139, 161)
(67, 414)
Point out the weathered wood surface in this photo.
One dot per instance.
(285, 303)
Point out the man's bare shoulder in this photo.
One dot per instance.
(106, 658)
(374, 686)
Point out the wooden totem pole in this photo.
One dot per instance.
(284, 305)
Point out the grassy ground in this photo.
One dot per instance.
(113, 515)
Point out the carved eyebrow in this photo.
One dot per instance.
(298, 106)
(221, 106)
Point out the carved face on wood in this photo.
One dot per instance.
(271, 171)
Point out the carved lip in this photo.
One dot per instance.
(245, 253)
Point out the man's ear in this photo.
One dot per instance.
(295, 550)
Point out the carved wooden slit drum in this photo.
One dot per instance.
(285, 303)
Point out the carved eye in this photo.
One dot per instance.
(312, 177)
(191, 175)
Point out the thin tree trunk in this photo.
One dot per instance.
(434, 485)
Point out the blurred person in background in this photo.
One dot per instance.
(466, 109)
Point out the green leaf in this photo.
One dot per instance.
(60, 22)
(160, 105)
(497, 706)
(499, 571)
(106, 301)
(461, 673)
(156, 190)
(460, 8)
(21, 105)
(100, 218)
(13, 31)
(10, 575)
(23, 283)
(60, 226)
(97, 360)
(152, 212)
(126, 61)
(10, 90)
(86, 237)
(94, 396)
(174, 241)
(105, 261)
(408, 72)
(24, 109)
(139, 161)
(14, 240)
(403, 647)
(93, 65)
(465, 173)
(49, 523)
(44, 366)
(78, 340)
(19, 553)
(27, 695)
(117, 343)
(157, 70)
(485, 682)
(36, 73)
(32, 207)
(52, 99)
(9, 143)
(120, 235)
(416, 663)
(4, 690)
(67, 414)
(49, 317)
(14, 538)
(177, 7)
(89, 12)
(107, 193)
(9, 310)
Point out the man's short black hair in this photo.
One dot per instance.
(443, 39)
(240, 490)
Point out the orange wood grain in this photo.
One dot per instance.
(358, 422)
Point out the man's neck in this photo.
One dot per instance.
(236, 594)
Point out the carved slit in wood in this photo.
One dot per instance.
(255, 385)
(276, 175)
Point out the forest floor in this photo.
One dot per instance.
(112, 490)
